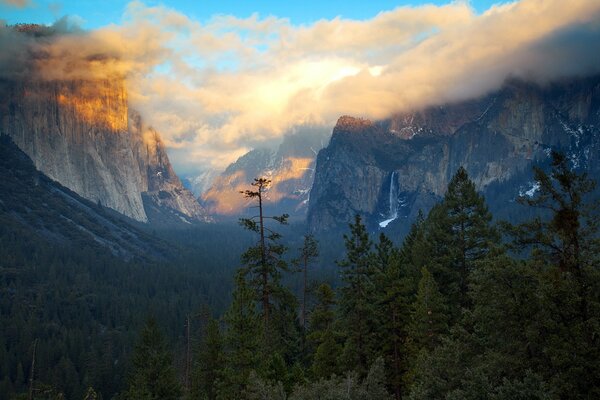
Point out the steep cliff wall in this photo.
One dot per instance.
(83, 135)
(496, 138)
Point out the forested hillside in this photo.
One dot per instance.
(463, 309)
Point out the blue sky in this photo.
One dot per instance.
(95, 13)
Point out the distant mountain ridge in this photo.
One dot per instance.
(497, 138)
(290, 167)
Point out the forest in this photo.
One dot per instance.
(465, 307)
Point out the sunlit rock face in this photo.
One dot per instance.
(290, 168)
(497, 138)
(83, 135)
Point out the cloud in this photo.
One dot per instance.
(219, 88)
(16, 3)
(240, 82)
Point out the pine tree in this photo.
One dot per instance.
(357, 300)
(308, 252)
(428, 317)
(459, 234)
(384, 252)
(396, 294)
(322, 315)
(242, 340)
(321, 337)
(210, 364)
(152, 375)
(565, 250)
(326, 356)
(263, 262)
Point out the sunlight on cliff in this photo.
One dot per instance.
(102, 104)
(224, 196)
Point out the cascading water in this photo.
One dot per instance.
(393, 210)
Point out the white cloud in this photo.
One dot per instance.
(214, 90)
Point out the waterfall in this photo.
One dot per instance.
(393, 197)
(393, 210)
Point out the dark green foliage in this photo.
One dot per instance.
(565, 260)
(349, 387)
(242, 341)
(308, 252)
(152, 374)
(450, 314)
(398, 286)
(322, 316)
(264, 263)
(322, 339)
(209, 364)
(459, 234)
(357, 300)
(428, 321)
(528, 331)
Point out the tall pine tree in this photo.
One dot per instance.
(152, 375)
(263, 262)
(210, 364)
(242, 341)
(357, 300)
(459, 234)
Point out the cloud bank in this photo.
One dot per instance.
(218, 88)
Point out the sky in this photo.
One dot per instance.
(217, 79)
(94, 13)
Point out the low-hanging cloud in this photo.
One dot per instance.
(218, 88)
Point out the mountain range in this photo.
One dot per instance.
(83, 134)
(386, 171)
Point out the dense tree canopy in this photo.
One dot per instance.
(454, 312)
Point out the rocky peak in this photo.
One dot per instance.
(347, 123)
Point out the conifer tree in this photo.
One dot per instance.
(210, 364)
(322, 337)
(565, 252)
(384, 252)
(396, 294)
(308, 252)
(322, 315)
(459, 234)
(153, 375)
(263, 262)
(428, 317)
(242, 340)
(357, 300)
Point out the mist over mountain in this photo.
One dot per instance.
(496, 138)
(80, 131)
(290, 167)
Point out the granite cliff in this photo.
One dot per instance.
(388, 170)
(83, 134)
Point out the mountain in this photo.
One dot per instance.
(40, 210)
(200, 182)
(83, 134)
(387, 170)
(290, 168)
